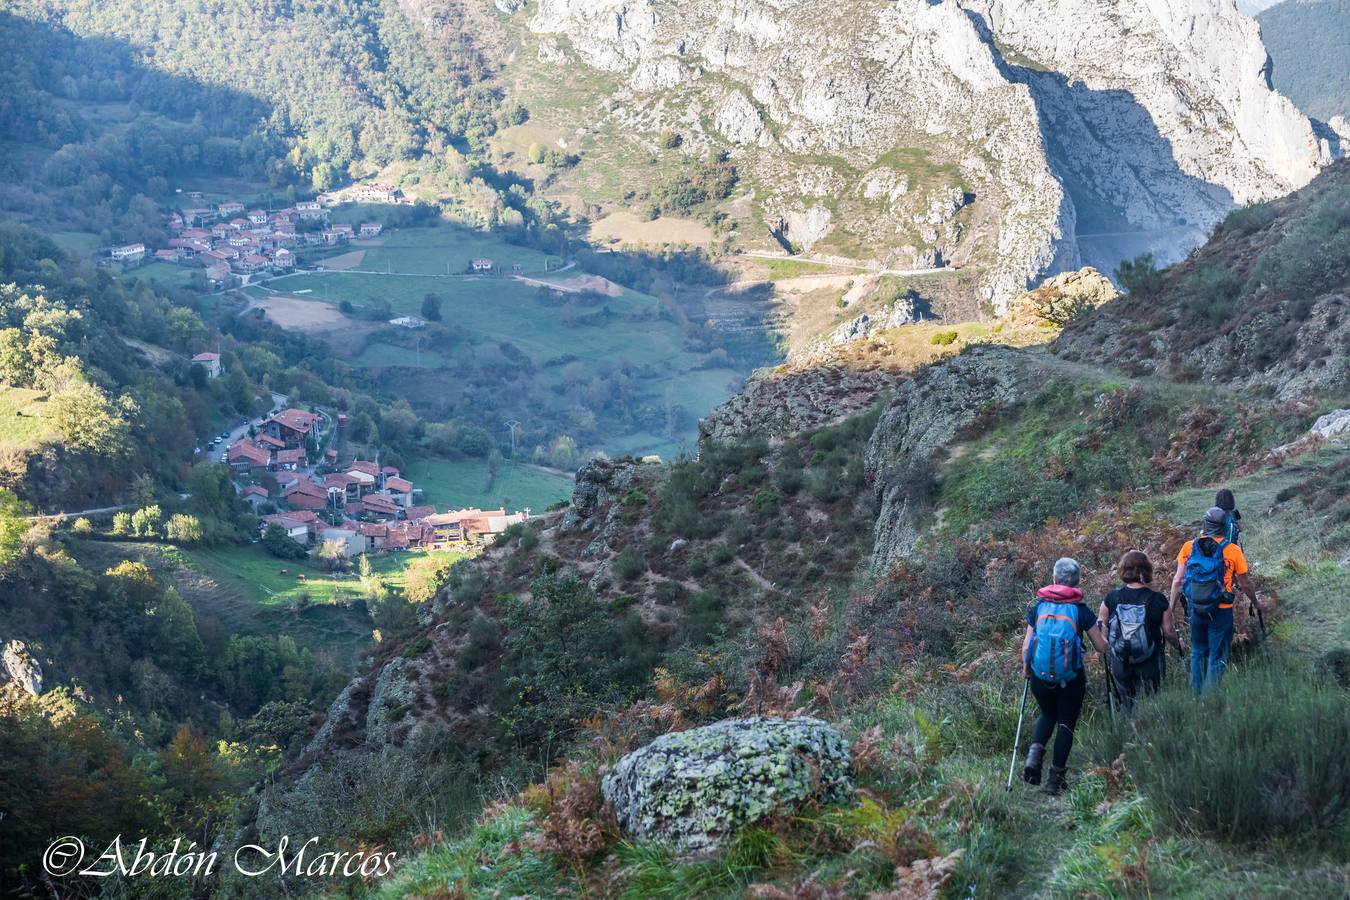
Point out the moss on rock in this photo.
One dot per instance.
(694, 789)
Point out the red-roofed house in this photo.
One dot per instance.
(371, 229)
(364, 465)
(266, 440)
(375, 533)
(292, 426)
(254, 495)
(246, 456)
(399, 489)
(210, 362)
(379, 506)
(413, 513)
(252, 263)
(305, 494)
(289, 459)
(230, 208)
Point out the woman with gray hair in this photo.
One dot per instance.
(1052, 658)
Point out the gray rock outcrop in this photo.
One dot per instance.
(19, 668)
(1332, 425)
(695, 789)
(926, 414)
(902, 312)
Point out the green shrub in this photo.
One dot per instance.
(789, 480)
(1249, 219)
(1210, 294)
(1313, 255)
(1140, 276)
(629, 564)
(1260, 758)
(943, 338)
(766, 503)
(82, 527)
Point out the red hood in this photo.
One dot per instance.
(1058, 593)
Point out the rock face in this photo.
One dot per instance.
(777, 403)
(1018, 136)
(902, 312)
(1332, 425)
(694, 789)
(19, 668)
(926, 415)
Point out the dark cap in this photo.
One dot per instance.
(1214, 520)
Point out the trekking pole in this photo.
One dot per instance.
(1261, 619)
(1017, 740)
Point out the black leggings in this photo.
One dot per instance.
(1141, 678)
(1059, 706)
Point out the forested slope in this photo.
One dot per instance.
(1307, 41)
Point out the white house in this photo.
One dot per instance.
(210, 362)
(129, 253)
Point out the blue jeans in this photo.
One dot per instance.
(1211, 636)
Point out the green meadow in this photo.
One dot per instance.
(20, 416)
(465, 483)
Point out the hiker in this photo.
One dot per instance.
(1207, 568)
(1232, 524)
(1052, 659)
(1137, 619)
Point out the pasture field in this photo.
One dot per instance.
(20, 416)
(80, 243)
(448, 249)
(381, 355)
(498, 308)
(623, 227)
(162, 272)
(277, 582)
(463, 483)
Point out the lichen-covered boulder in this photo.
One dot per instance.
(694, 789)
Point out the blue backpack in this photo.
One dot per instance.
(1204, 585)
(1056, 652)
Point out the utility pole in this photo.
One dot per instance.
(512, 426)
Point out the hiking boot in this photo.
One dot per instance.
(1055, 783)
(1031, 772)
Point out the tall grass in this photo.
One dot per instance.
(1263, 757)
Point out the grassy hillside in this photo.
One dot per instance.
(1307, 41)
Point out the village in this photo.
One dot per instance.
(362, 506)
(236, 244)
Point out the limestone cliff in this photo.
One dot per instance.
(1019, 137)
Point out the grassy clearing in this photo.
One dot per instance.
(20, 416)
(377, 355)
(162, 273)
(781, 269)
(261, 574)
(448, 249)
(81, 243)
(503, 309)
(465, 483)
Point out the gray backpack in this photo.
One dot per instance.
(1128, 635)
